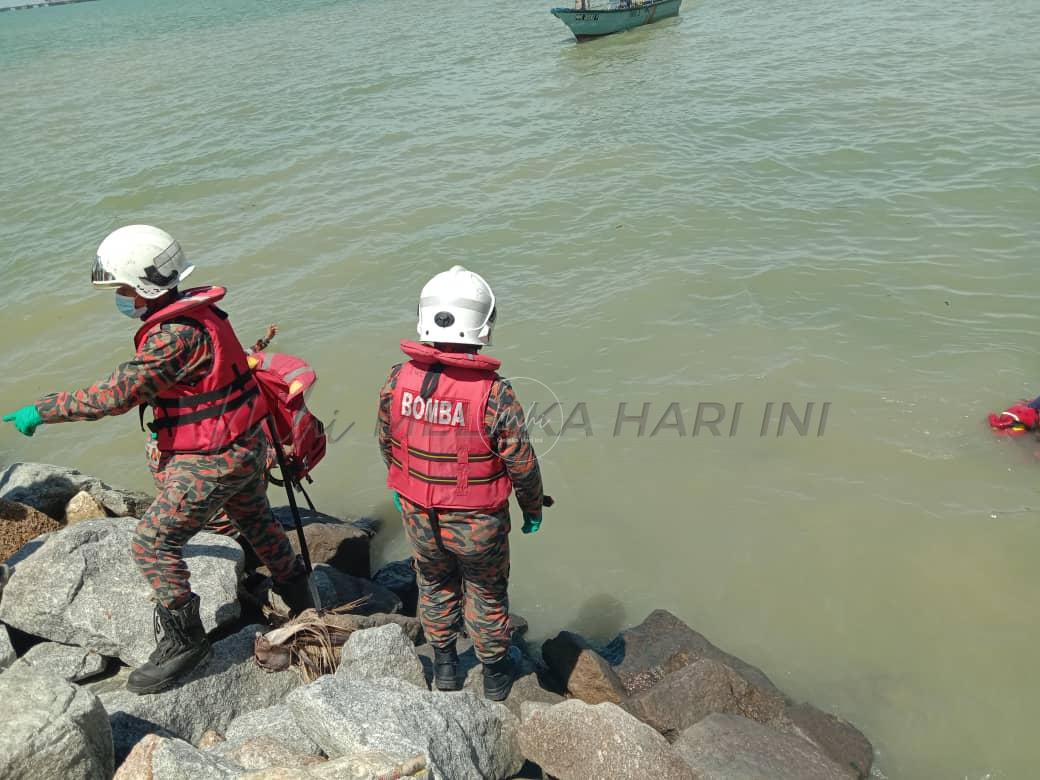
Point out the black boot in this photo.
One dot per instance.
(181, 645)
(446, 669)
(296, 593)
(498, 679)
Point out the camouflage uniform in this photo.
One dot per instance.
(192, 488)
(462, 558)
(220, 524)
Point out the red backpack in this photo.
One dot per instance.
(283, 380)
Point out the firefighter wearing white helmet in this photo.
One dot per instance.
(143, 257)
(190, 368)
(453, 437)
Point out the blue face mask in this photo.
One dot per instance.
(125, 304)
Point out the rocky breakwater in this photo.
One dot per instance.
(659, 701)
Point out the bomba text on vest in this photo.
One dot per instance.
(432, 410)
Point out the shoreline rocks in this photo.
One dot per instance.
(377, 653)
(50, 488)
(54, 729)
(678, 677)
(223, 688)
(343, 545)
(660, 700)
(732, 746)
(461, 734)
(81, 587)
(582, 671)
(574, 740)
(68, 662)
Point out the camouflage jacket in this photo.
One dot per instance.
(506, 430)
(172, 353)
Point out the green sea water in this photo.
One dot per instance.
(752, 204)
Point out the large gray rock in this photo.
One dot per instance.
(227, 686)
(163, 758)
(654, 660)
(462, 735)
(381, 652)
(7, 654)
(576, 741)
(81, 587)
(638, 653)
(581, 670)
(840, 740)
(51, 728)
(705, 686)
(65, 661)
(275, 722)
(49, 488)
(729, 747)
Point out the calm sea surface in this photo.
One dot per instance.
(757, 203)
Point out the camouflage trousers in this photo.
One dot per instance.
(220, 523)
(462, 567)
(192, 490)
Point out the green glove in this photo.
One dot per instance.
(26, 419)
(397, 502)
(532, 523)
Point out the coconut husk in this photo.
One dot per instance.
(312, 641)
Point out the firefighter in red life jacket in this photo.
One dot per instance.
(453, 437)
(190, 368)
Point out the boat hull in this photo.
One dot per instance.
(590, 24)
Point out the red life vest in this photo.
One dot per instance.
(209, 415)
(441, 457)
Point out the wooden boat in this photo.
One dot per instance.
(587, 22)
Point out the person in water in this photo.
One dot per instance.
(1016, 419)
(452, 435)
(190, 368)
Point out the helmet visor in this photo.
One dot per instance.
(165, 269)
(100, 277)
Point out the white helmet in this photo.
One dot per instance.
(456, 307)
(143, 257)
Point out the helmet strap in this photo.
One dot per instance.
(170, 296)
(430, 380)
(457, 347)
